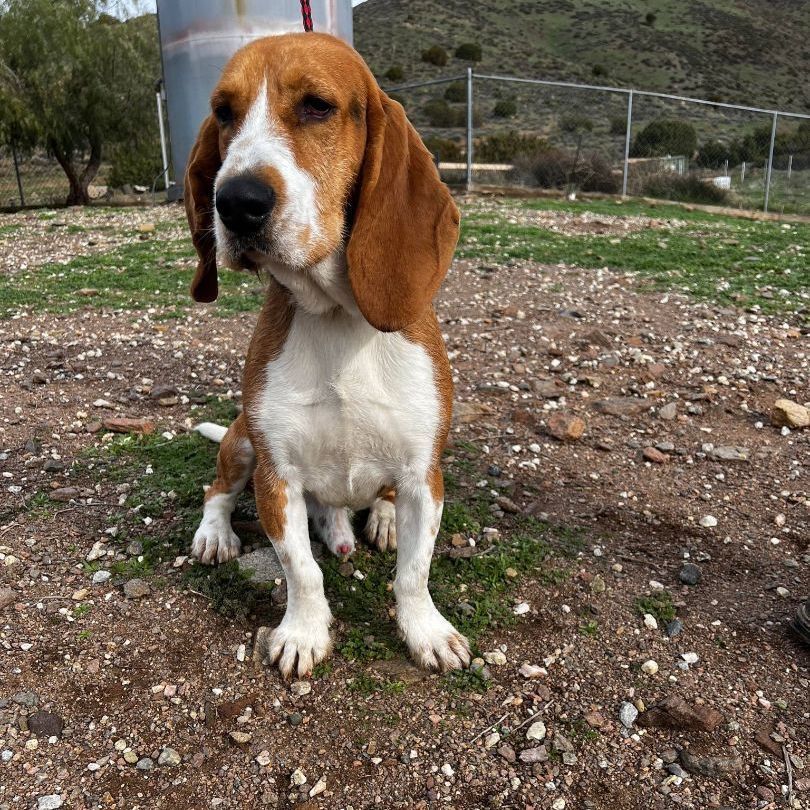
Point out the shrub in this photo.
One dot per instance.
(471, 51)
(649, 19)
(684, 188)
(713, 155)
(665, 137)
(505, 108)
(618, 125)
(439, 113)
(435, 55)
(136, 164)
(457, 91)
(504, 147)
(574, 122)
(443, 147)
(561, 169)
(599, 71)
(396, 73)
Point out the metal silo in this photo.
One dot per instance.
(197, 37)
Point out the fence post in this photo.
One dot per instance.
(770, 163)
(17, 173)
(163, 151)
(469, 127)
(627, 134)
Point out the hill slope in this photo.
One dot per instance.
(751, 52)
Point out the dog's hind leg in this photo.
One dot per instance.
(333, 526)
(215, 540)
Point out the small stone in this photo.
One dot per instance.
(28, 699)
(690, 574)
(295, 719)
(649, 667)
(447, 769)
(318, 788)
(690, 657)
(655, 456)
(53, 465)
(130, 757)
(627, 714)
(675, 713)
(51, 802)
(537, 731)
(82, 593)
(532, 671)
(712, 766)
(537, 754)
(122, 424)
(491, 740)
(300, 688)
(786, 413)
(346, 569)
(145, 764)
(650, 622)
(623, 406)
(458, 541)
(558, 804)
(708, 521)
(566, 428)
(598, 584)
(783, 592)
(668, 412)
(673, 628)
(101, 577)
(264, 758)
(729, 453)
(563, 744)
(507, 504)
(7, 597)
(495, 657)
(169, 757)
(298, 778)
(240, 737)
(136, 589)
(521, 609)
(508, 753)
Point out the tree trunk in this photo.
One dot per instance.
(79, 182)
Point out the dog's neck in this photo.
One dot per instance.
(321, 288)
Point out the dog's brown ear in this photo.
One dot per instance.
(203, 164)
(405, 225)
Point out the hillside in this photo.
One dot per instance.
(744, 51)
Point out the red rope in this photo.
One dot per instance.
(306, 13)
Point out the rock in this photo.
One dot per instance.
(491, 740)
(668, 412)
(786, 413)
(124, 424)
(130, 757)
(298, 778)
(163, 391)
(673, 628)
(53, 465)
(690, 574)
(627, 714)
(729, 452)
(169, 757)
(45, 724)
(495, 657)
(674, 712)
(711, 766)
(595, 338)
(7, 597)
(240, 738)
(318, 788)
(262, 565)
(508, 753)
(649, 667)
(145, 764)
(655, 456)
(29, 699)
(300, 688)
(566, 428)
(65, 494)
(623, 406)
(97, 552)
(537, 754)
(532, 671)
(264, 758)
(507, 504)
(466, 413)
(708, 521)
(549, 389)
(136, 589)
(537, 731)
(650, 622)
(562, 744)
(51, 802)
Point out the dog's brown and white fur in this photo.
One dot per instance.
(347, 388)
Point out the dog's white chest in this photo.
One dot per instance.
(346, 410)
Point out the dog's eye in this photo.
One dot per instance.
(317, 108)
(224, 114)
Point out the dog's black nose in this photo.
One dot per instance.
(244, 203)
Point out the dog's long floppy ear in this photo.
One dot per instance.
(203, 165)
(405, 225)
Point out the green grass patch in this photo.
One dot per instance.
(659, 605)
(715, 258)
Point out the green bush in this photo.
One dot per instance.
(599, 71)
(439, 113)
(136, 164)
(396, 73)
(504, 147)
(684, 188)
(666, 136)
(443, 147)
(618, 125)
(435, 55)
(713, 155)
(457, 91)
(574, 122)
(561, 169)
(470, 51)
(505, 108)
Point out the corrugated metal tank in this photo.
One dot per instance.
(197, 37)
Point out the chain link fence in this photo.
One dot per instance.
(507, 131)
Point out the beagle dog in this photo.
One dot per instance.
(309, 174)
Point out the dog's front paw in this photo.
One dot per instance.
(434, 642)
(301, 639)
(381, 526)
(215, 540)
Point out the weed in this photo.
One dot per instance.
(590, 628)
(466, 680)
(658, 604)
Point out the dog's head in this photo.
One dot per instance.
(303, 155)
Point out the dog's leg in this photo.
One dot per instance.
(333, 526)
(381, 526)
(215, 540)
(432, 640)
(303, 635)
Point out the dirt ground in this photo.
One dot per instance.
(153, 702)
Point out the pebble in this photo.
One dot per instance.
(45, 724)
(168, 756)
(668, 412)
(491, 740)
(318, 787)
(136, 588)
(708, 521)
(783, 592)
(566, 428)
(495, 657)
(50, 802)
(145, 764)
(264, 758)
(673, 628)
(7, 597)
(532, 671)
(447, 769)
(654, 455)
(96, 552)
(627, 714)
(690, 574)
(130, 757)
(298, 778)
(786, 413)
(558, 804)
(690, 657)
(300, 688)
(101, 577)
(650, 622)
(537, 731)
(522, 608)
(649, 667)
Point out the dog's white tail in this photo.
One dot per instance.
(216, 433)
